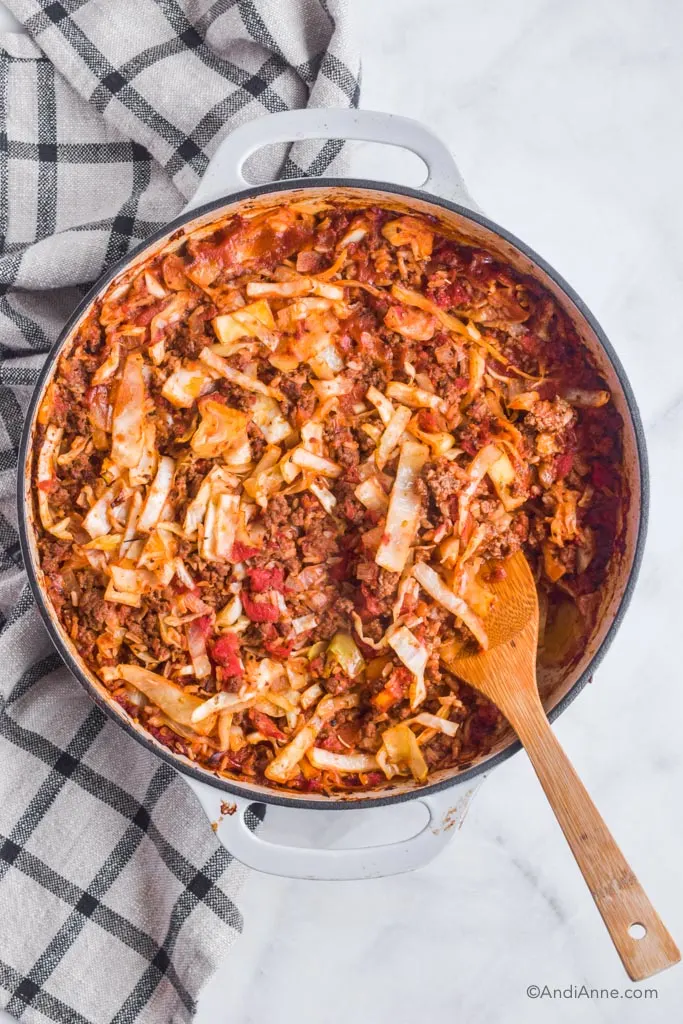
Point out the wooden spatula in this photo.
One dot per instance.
(506, 674)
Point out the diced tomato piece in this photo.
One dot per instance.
(332, 742)
(97, 400)
(482, 266)
(426, 419)
(601, 475)
(145, 315)
(281, 649)
(450, 295)
(563, 465)
(240, 552)
(373, 778)
(316, 667)
(225, 652)
(259, 611)
(204, 625)
(531, 343)
(48, 485)
(60, 406)
(266, 579)
(340, 570)
(395, 690)
(265, 725)
(369, 606)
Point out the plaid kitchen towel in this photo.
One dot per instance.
(116, 900)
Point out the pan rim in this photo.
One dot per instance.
(274, 797)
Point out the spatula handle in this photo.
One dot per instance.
(617, 892)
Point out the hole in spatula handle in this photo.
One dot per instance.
(637, 930)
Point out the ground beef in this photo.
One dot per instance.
(550, 417)
(320, 545)
(444, 481)
(342, 446)
(336, 616)
(276, 514)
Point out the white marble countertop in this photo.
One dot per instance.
(566, 122)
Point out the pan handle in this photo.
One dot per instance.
(447, 811)
(224, 174)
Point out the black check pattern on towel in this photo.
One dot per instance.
(116, 900)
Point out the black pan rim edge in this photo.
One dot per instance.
(228, 785)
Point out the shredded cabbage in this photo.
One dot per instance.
(439, 442)
(282, 767)
(503, 476)
(183, 387)
(157, 495)
(242, 380)
(46, 475)
(97, 522)
(128, 418)
(266, 479)
(196, 645)
(414, 397)
(327, 759)
(220, 527)
(564, 524)
(221, 429)
(403, 753)
(173, 700)
(414, 324)
(554, 569)
(412, 298)
(106, 370)
(404, 509)
(196, 510)
(392, 435)
(252, 321)
(268, 417)
(371, 494)
(295, 288)
(478, 468)
(384, 407)
(343, 650)
(222, 702)
(443, 725)
(584, 399)
(316, 463)
(412, 232)
(145, 469)
(431, 582)
(131, 598)
(324, 496)
(414, 656)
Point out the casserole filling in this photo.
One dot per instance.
(279, 465)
